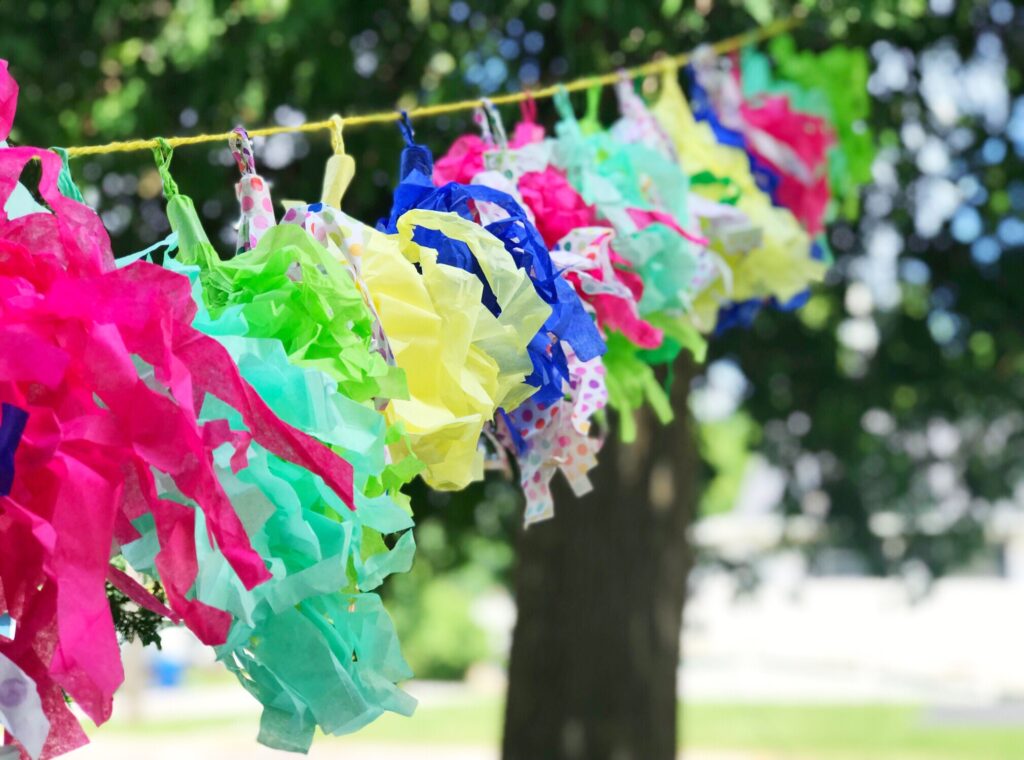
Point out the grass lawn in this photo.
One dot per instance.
(842, 732)
(769, 732)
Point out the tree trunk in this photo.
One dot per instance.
(600, 592)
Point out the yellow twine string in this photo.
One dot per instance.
(656, 66)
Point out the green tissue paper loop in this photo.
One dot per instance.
(591, 121)
(290, 288)
(563, 104)
(65, 182)
(162, 154)
(631, 383)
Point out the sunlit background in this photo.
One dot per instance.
(860, 585)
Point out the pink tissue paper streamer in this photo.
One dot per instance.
(70, 325)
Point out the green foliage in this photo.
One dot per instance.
(436, 628)
(725, 447)
(843, 732)
(464, 549)
(135, 623)
(916, 437)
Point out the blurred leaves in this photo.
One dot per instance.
(135, 623)
(725, 446)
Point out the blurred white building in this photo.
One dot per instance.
(798, 637)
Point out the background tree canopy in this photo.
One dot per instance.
(894, 402)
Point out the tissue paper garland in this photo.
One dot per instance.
(459, 366)
(786, 149)
(781, 265)
(392, 282)
(576, 155)
(652, 238)
(88, 676)
(832, 84)
(501, 340)
(292, 290)
(567, 323)
(727, 288)
(551, 437)
(323, 557)
(646, 247)
(621, 299)
(549, 431)
(615, 174)
(306, 328)
(95, 429)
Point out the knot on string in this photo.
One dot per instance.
(528, 107)
(669, 64)
(241, 150)
(415, 157)
(495, 131)
(337, 135)
(563, 104)
(162, 154)
(65, 182)
(405, 127)
(341, 167)
(630, 103)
